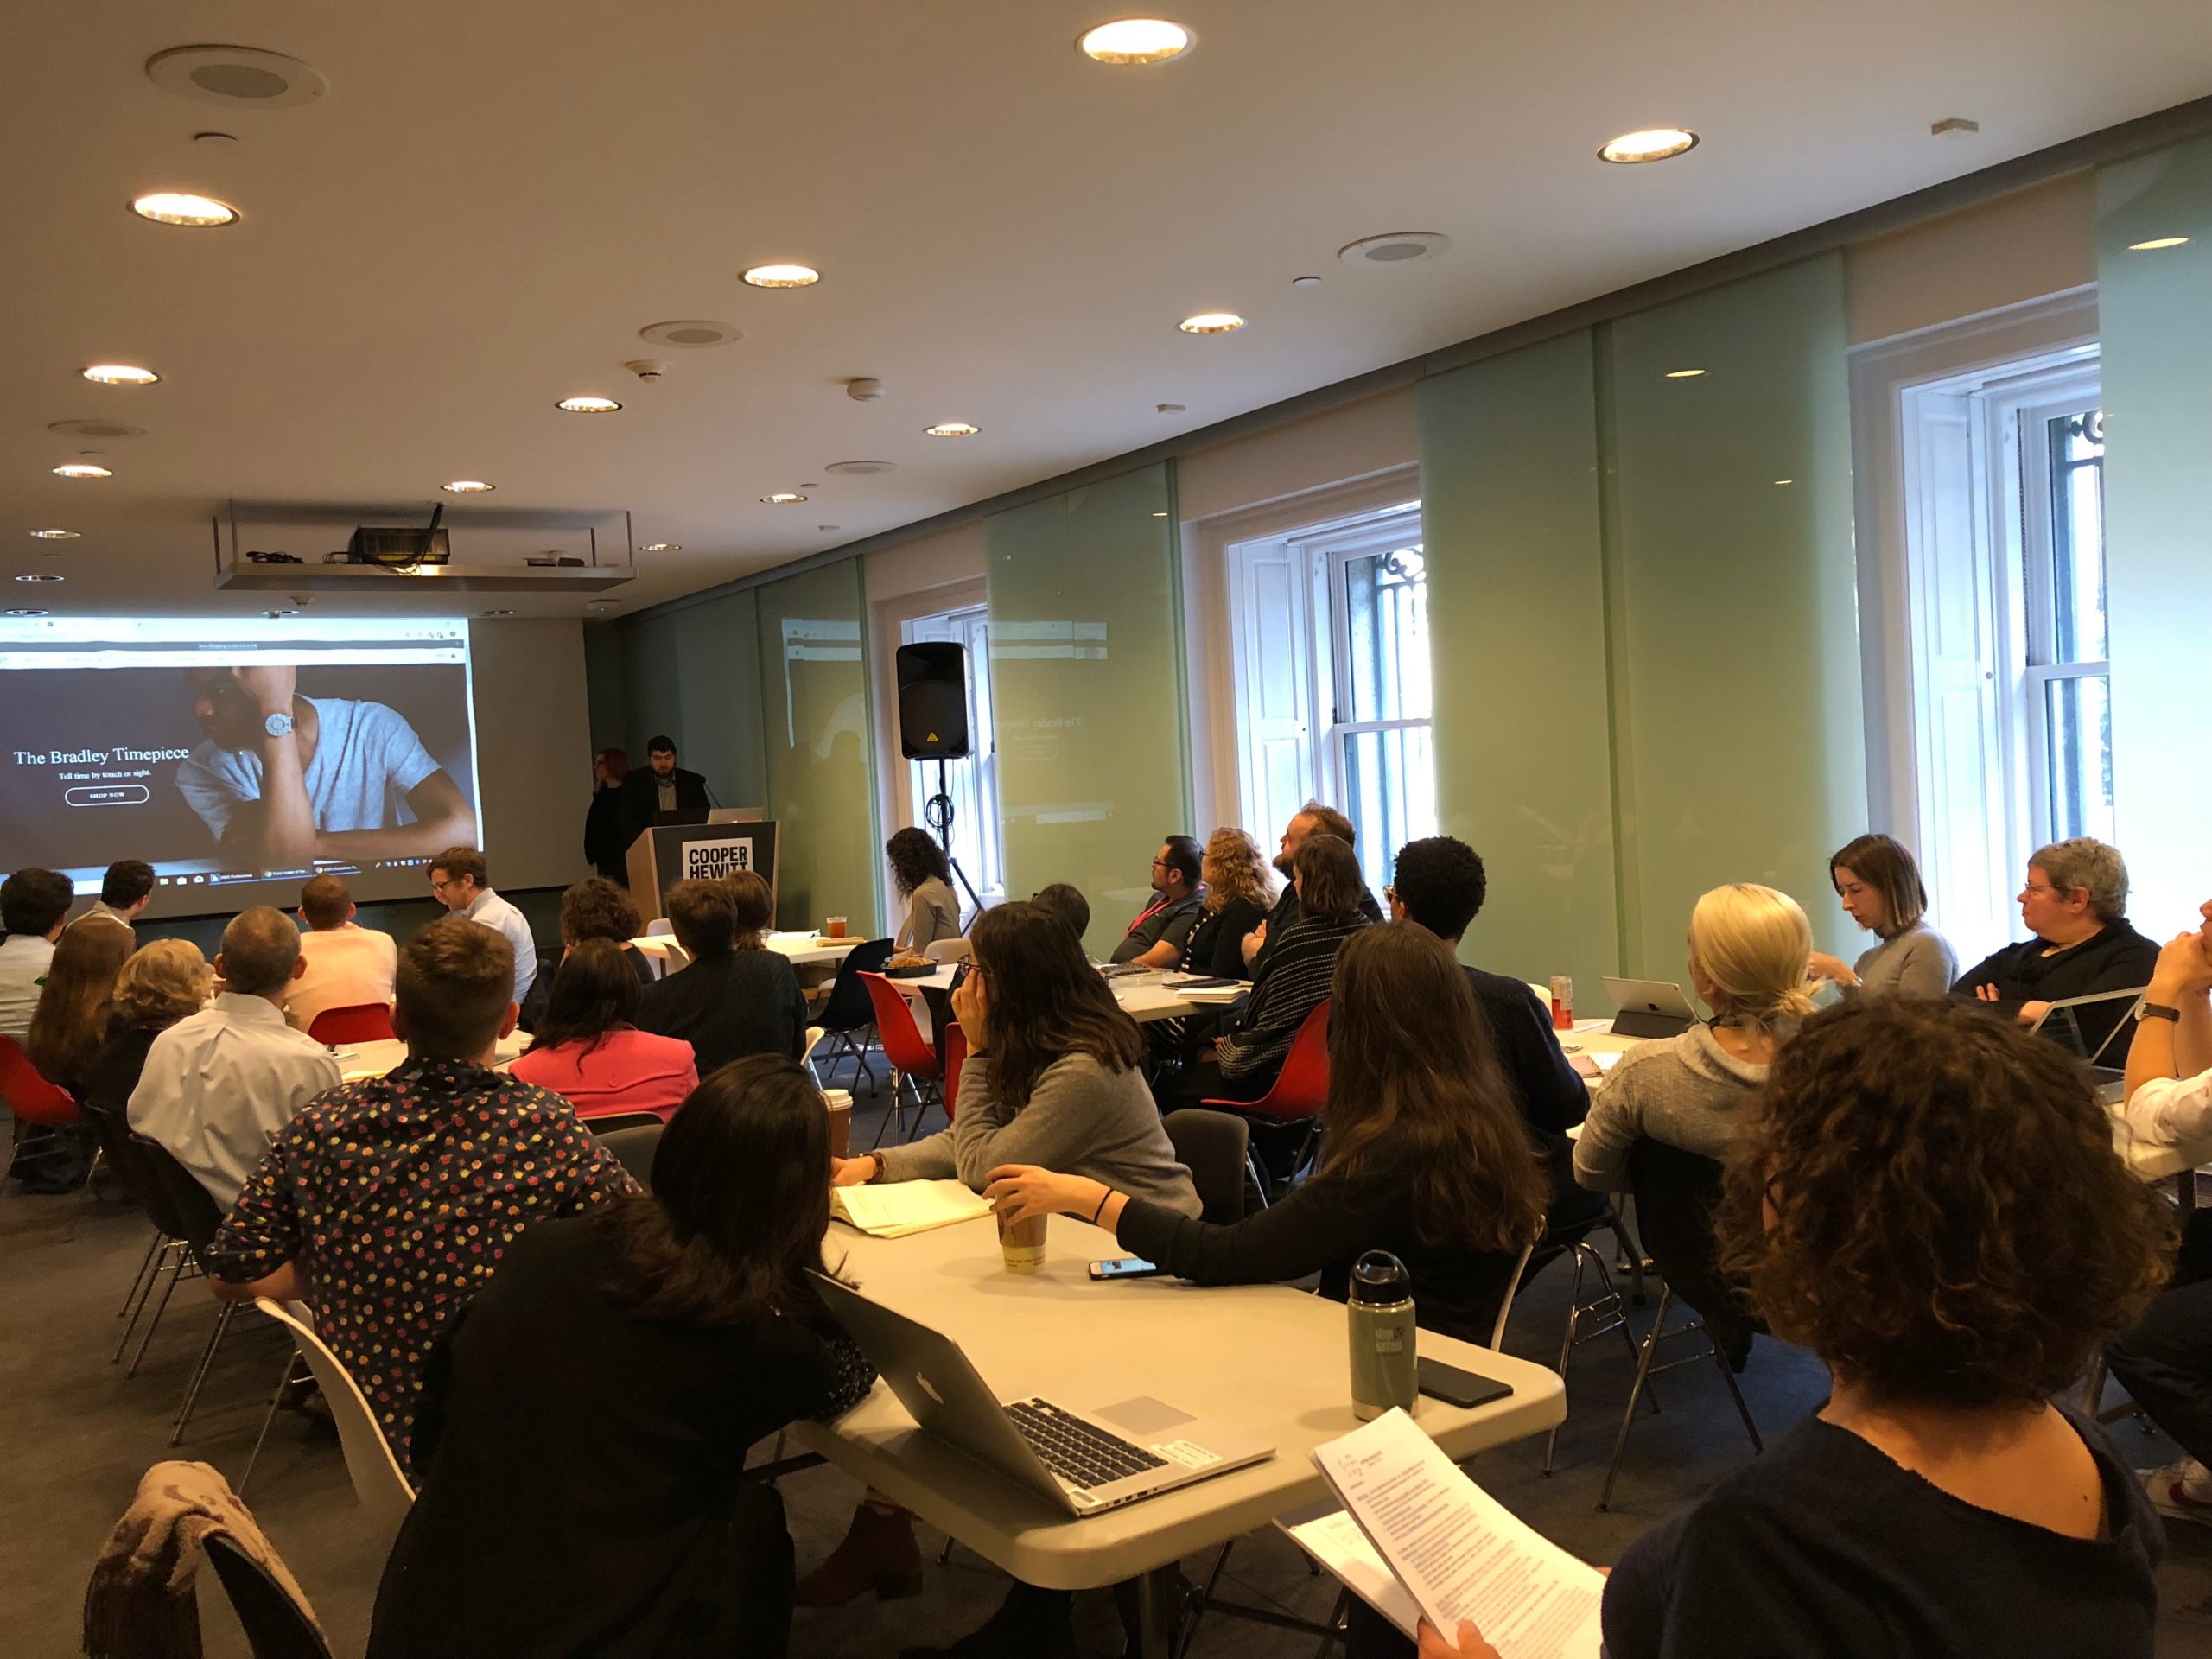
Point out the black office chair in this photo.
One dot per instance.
(275, 1626)
(1213, 1146)
(847, 1015)
(635, 1147)
(1676, 1192)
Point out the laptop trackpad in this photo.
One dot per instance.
(1144, 1416)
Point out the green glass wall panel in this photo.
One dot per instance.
(1739, 734)
(1509, 516)
(605, 693)
(1087, 686)
(2155, 312)
(653, 688)
(718, 696)
(818, 749)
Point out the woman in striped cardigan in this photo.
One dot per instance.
(1294, 977)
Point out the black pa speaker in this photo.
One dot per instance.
(933, 701)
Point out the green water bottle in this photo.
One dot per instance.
(1380, 1308)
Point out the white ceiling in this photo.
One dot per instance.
(491, 200)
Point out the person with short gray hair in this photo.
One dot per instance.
(217, 1084)
(2074, 903)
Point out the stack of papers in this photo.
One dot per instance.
(1419, 1540)
(895, 1210)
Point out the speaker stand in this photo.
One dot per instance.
(938, 814)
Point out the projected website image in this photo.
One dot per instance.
(272, 750)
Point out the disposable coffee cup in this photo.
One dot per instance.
(839, 1102)
(834, 928)
(1022, 1244)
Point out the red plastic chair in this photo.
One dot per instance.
(28, 1095)
(952, 1054)
(912, 1060)
(365, 1022)
(1300, 1094)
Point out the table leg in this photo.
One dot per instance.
(1159, 1605)
(2185, 1190)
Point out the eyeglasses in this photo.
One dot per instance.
(1390, 895)
(2033, 888)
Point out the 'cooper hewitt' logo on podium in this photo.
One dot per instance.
(710, 861)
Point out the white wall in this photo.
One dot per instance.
(533, 749)
(2018, 247)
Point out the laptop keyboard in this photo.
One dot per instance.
(1075, 1450)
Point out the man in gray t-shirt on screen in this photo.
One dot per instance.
(283, 780)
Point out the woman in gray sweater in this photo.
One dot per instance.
(1881, 891)
(1749, 946)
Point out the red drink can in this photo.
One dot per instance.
(1562, 1002)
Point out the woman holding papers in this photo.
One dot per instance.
(1929, 1201)
(1426, 1154)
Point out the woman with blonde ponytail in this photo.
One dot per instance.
(1749, 949)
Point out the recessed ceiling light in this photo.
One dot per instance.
(1212, 323)
(180, 207)
(1160, 515)
(24, 610)
(468, 486)
(952, 429)
(1650, 144)
(2156, 243)
(41, 575)
(783, 499)
(56, 535)
(1684, 374)
(280, 612)
(1136, 40)
(82, 469)
(663, 547)
(782, 276)
(119, 374)
(589, 405)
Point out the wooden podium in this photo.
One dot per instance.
(664, 854)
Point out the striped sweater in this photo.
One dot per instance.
(1293, 982)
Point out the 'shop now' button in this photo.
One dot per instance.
(109, 795)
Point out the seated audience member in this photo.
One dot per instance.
(460, 881)
(1932, 1205)
(921, 877)
(1234, 901)
(737, 997)
(1311, 819)
(386, 1203)
(1881, 891)
(2075, 904)
(125, 891)
(1292, 976)
(344, 965)
(66, 1032)
(1749, 946)
(1054, 1076)
(159, 984)
(1067, 903)
(2165, 1361)
(217, 1085)
(637, 1354)
(587, 1048)
(1155, 939)
(32, 903)
(596, 908)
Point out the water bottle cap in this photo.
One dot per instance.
(1379, 1277)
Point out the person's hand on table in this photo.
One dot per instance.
(1017, 1192)
(854, 1171)
(2183, 969)
(971, 1007)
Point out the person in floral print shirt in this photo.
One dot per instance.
(386, 1203)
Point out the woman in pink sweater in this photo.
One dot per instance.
(588, 1050)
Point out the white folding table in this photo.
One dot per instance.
(800, 950)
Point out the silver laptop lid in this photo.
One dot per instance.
(1658, 996)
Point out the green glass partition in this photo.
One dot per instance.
(718, 696)
(1739, 742)
(818, 747)
(1510, 514)
(652, 690)
(2154, 302)
(1087, 688)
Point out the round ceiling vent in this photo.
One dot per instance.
(690, 332)
(860, 468)
(96, 430)
(237, 75)
(1397, 248)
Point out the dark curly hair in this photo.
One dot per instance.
(1442, 884)
(914, 858)
(1928, 1199)
(596, 908)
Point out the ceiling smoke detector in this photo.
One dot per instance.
(866, 389)
(646, 368)
(692, 334)
(237, 75)
(860, 468)
(1395, 248)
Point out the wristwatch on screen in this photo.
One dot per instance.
(2157, 1011)
(277, 725)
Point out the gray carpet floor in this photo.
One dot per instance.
(80, 1433)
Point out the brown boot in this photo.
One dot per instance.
(878, 1553)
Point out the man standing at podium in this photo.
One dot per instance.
(661, 786)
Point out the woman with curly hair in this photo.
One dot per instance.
(921, 877)
(1239, 893)
(1929, 1201)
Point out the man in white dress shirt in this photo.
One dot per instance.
(342, 965)
(461, 882)
(32, 903)
(220, 1083)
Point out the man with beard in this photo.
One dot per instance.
(1311, 819)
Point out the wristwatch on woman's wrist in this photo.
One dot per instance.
(2157, 1011)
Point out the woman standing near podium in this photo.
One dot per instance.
(607, 847)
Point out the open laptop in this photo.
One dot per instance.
(2062, 1022)
(1083, 1461)
(1649, 1008)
